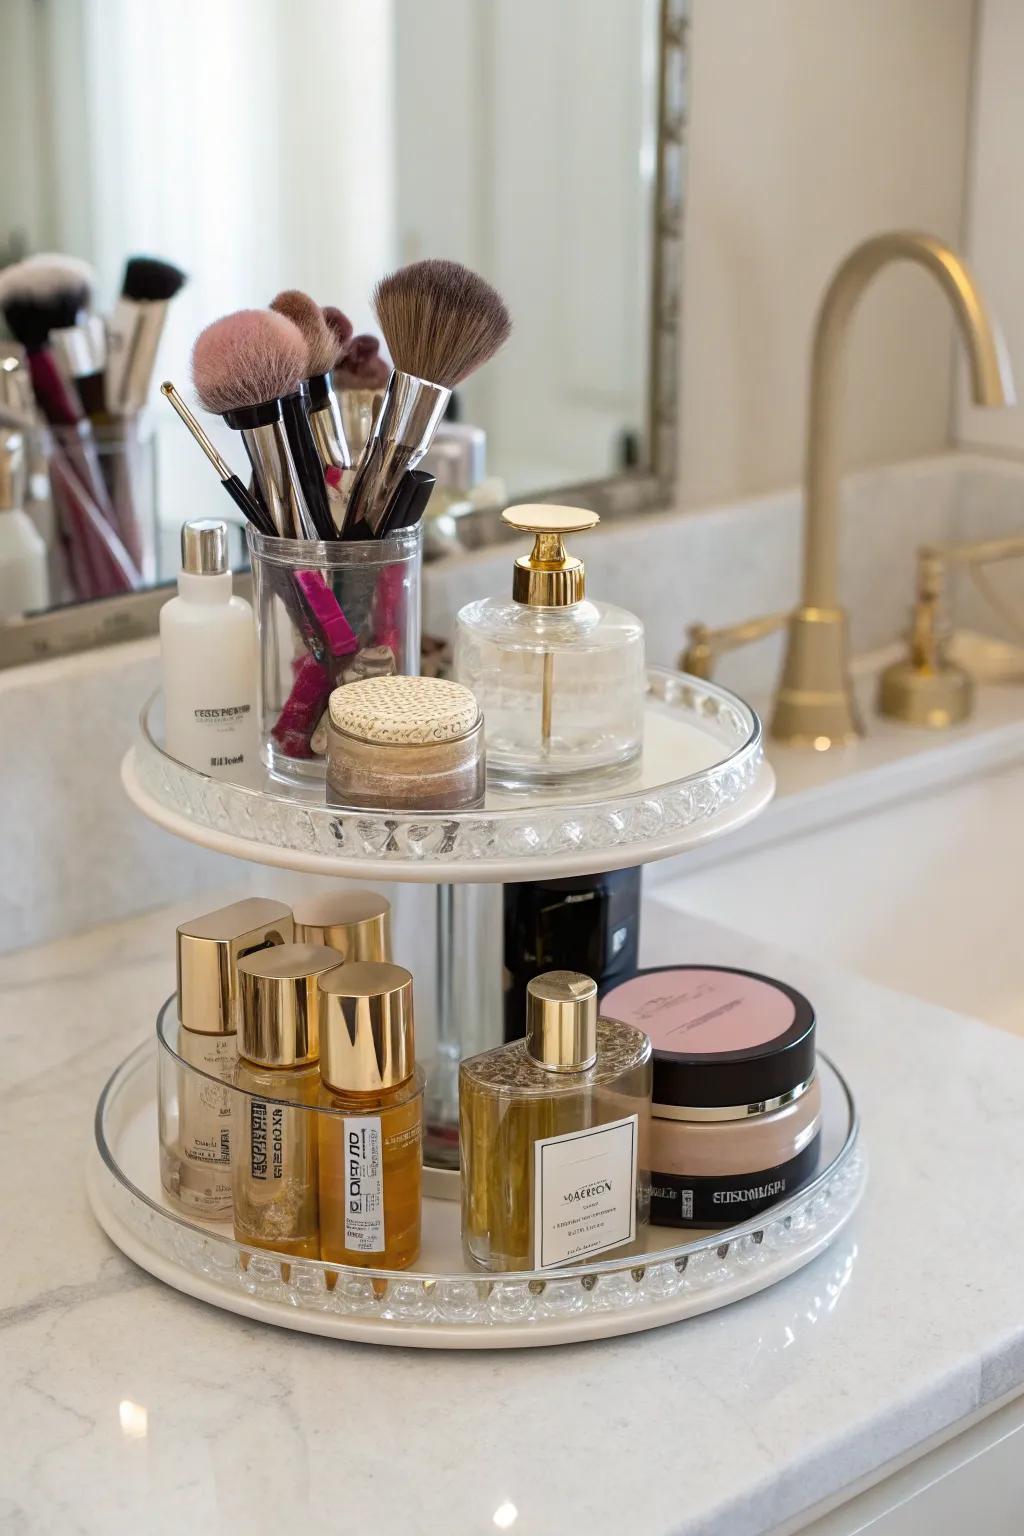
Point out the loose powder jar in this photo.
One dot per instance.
(736, 1102)
(405, 743)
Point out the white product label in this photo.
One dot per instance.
(364, 1185)
(230, 723)
(584, 1192)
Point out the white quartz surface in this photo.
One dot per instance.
(130, 1408)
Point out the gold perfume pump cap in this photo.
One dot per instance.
(549, 577)
(279, 1004)
(355, 923)
(367, 1033)
(209, 949)
(561, 1021)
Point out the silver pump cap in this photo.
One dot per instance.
(204, 547)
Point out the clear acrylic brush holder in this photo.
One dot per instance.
(328, 614)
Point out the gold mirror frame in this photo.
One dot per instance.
(649, 487)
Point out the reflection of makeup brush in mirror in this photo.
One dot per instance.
(242, 365)
(441, 323)
(80, 352)
(243, 499)
(135, 328)
(37, 296)
(314, 422)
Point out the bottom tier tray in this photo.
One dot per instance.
(442, 1304)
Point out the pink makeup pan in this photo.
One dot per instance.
(737, 1105)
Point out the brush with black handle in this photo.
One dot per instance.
(441, 323)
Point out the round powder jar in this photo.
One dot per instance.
(736, 1105)
(405, 743)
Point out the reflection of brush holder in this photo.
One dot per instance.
(127, 455)
(328, 614)
(103, 487)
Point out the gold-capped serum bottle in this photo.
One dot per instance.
(371, 1142)
(553, 1135)
(195, 1111)
(274, 1130)
(560, 679)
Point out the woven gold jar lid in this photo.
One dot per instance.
(404, 711)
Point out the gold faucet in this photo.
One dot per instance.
(814, 704)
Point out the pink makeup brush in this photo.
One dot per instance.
(242, 367)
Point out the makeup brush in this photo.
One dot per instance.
(242, 366)
(37, 296)
(441, 323)
(361, 365)
(80, 352)
(243, 498)
(305, 436)
(135, 328)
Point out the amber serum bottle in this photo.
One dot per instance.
(371, 1144)
(274, 1129)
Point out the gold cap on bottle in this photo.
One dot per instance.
(561, 1021)
(367, 1034)
(355, 923)
(279, 1006)
(209, 949)
(548, 577)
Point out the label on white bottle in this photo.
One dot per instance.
(584, 1192)
(227, 728)
(364, 1184)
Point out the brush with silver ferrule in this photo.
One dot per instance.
(312, 418)
(441, 323)
(242, 365)
(135, 328)
(80, 352)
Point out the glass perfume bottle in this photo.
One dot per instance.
(554, 1133)
(195, 1121)
(370, 1150)
(274, 1166)
(560, 680)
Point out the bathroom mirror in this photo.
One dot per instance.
(263, 144)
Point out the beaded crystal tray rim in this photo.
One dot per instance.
(530, 829)
(801, 1225)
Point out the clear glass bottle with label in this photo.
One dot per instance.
(560, 679)
(554, 1133)
(274, 1172)
(195, 1118)
(371, 1148)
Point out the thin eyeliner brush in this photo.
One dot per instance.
(240, 495)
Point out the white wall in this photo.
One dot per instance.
(814, 124)
(995, 207)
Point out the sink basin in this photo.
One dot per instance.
(922, 896)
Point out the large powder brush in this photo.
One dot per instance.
(242, 367)
(441, 323)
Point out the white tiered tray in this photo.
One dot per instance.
(702, 774)
(442, 1304)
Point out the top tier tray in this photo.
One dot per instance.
(702, 774)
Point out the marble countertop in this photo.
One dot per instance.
(128, 1407)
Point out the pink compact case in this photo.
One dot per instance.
(736, 1102)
